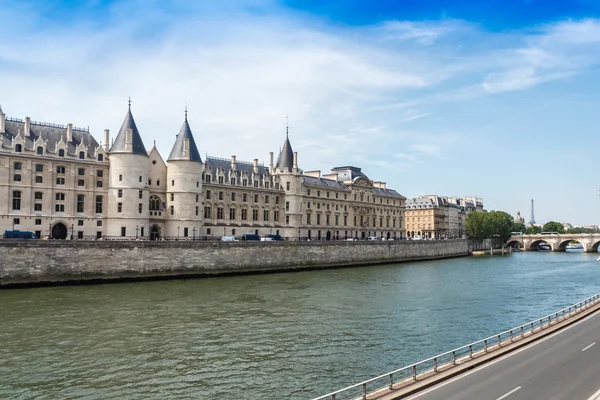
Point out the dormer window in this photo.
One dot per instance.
(61, 153)
(100, 157)
(40, 150)
(82, 155)
(18, 148)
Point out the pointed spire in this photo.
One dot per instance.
(287, 127)
(177, 152)
(129, 102)
(285, 160)
(120, 145)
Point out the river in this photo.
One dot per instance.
(275, 336)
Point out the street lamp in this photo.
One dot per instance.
(178, 233)
(50, 231)
(136, 231)
(224, 231)
(194, 233)
(72, 227)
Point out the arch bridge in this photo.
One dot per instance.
(558, 242)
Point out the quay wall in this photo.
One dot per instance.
(54, 262)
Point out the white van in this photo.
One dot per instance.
(229, 239)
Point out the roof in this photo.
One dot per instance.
(421, 202)
(215, 163)
(137, 145)
(348, 173)
(177, 151)
(51, 134)
(331, 184)
(285, 160)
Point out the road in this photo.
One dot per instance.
(562, 366)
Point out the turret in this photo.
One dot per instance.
(128, 199)
(185, 214)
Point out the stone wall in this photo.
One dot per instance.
(40, 262)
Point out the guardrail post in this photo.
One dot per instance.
(541, 324)
(414, 372)
(522, 331)
(499, 342)
(364, 396)
(391, 381)
(453, 358)
(511, 336)
(532, 327)
(549, 320)
(471, 351)
(333, 396)
(435, 364)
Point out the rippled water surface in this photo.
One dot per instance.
(276, 336)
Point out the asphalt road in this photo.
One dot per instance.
(563, 366)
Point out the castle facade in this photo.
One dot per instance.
(59, 182)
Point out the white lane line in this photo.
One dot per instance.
(502, 358)
(585, 348)
(595, 396)
(509, 393)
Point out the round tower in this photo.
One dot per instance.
(185, 210)
(128, 207)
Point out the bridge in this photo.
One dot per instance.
(558, 242)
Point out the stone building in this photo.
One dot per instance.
(433, 216)
(58, 181)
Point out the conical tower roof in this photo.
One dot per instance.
(177, 152)
(285, 160)
(137, 145)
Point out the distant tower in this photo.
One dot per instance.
(532, 221)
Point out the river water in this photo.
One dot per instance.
(276, 336)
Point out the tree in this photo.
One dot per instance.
(476, 226)
(518, 227)
(532, 230)
(553, 226)
(500, 225)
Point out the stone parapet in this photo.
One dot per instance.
(54, 262)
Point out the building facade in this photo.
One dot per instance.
(59, 182)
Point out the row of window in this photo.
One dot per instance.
(61, 152)
(233, 197)
(363, 221)
(59, 205)
(361, 197)
(244, 182)
(244, 214)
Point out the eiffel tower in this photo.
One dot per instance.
(532, 221)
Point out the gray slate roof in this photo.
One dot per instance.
(177, 151)
(241, 166)
(348, 173)
(51, 134)
(285, 160)
(331, 184)
(421, 202)
(137, 143)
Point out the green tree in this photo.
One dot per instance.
(553, 226)
(476, 226)
(532, 230)
(580, 230)
(518, 227)
(500, 225)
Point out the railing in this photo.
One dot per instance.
(48, 124)
(442, 362)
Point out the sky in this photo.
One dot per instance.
(495, 99)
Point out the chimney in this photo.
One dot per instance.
(128, 140)
(2, 121)
(69, 133)
(233, 163)
(271, 167)
(256, 165)
(27, 127)
(295, 167)
(106, 140)
(186, 148)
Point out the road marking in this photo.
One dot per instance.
(585, 348)
(595, 396)
(512, 353)
(509, 393)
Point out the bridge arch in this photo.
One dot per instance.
(533, 246)
(514, 243)
(562, 246)
(593, 248)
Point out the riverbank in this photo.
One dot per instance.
(26, 263)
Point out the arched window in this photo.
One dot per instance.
(81, 155)
(18, 148)
(100, 157)
(61, 153)
(155, 203)
(40, 150)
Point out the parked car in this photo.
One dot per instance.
(250, 236)
(19, 235)
(372, 238)
(229, 239)
(351, 239)
(276, 237)
(267, 239)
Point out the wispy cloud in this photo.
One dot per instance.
(415, 117)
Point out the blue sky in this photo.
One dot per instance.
(497, 99)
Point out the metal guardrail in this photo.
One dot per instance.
(457, 356)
